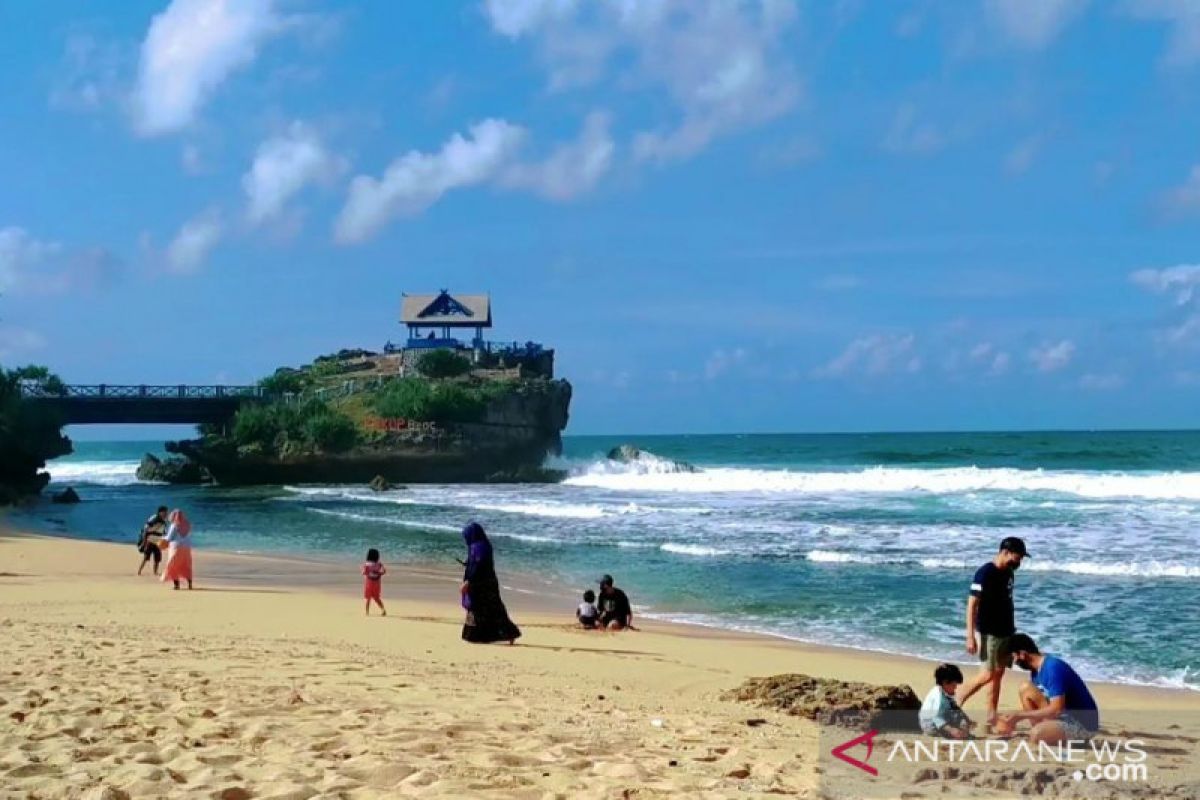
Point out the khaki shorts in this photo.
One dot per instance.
(990, 650)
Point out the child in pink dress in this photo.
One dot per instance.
(373, 572)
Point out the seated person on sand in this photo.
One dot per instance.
(587, 613)
(615, 612)
(940, 714)
(1056, 703)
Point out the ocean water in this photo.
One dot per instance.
(866, 541)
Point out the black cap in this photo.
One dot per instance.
(606, 580)
(1014, 544)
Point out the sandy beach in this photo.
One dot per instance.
(268, 682)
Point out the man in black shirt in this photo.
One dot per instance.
(990, 613)
(615, 612)
(151, 537)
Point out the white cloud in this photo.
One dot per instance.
(190, 49)
(514, 18)
(1021, 157)
(880, 354)
(791, 153)
(191, 160)
(722, 64)
(839, 283)
(1183, 45)
(1182, 281)
(1102, 381)
(283, 166)
(1033, 24)
(1052, 356)
(909, 135)
(90, 75)
(1185, 199)
(20, 253)
(32, 266)
(572, 168)
(1000, 364)
(721, 361)
(987, 355)
(416, 180)
(191, 246)
(19, 342)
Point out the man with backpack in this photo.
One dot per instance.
(151, 537)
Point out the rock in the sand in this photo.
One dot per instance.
(632, 454)
(233, 793)
(106, 793)
(67, 495)
(174, 469)
(833, 702)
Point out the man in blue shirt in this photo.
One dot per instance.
(1056, 702)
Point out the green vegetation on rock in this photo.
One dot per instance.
(443, 364)
(29, 436)
(431, 401)
(287, 429)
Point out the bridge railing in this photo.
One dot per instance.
(104, 391)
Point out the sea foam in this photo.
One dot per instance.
(889, 480)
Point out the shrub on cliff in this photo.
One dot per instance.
(281, 428)
(255, 425)
(443, 364)
(284, 381)
(331, 432)
(29, 436)
(427, 401)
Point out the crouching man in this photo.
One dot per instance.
(1056, 702)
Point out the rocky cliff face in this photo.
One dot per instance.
(509, 443)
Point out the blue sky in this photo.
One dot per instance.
(725, 216)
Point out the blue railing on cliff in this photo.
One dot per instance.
(109, 391)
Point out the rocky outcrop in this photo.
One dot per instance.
(171, 470)
(380, 484)
(67, 496)
(834, 702)
(631, 454)
(508, 443)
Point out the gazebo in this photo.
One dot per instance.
(432, 319)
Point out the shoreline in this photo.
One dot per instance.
(434, 584)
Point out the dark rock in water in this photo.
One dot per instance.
(527, 474)
(625, 453)
(67, 495)
(632, 454)
(834, 702)
(171, 470)
(380, 484)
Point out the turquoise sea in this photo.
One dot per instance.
(861, 540)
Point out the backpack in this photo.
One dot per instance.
(141, 542)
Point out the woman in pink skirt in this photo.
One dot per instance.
(179, 556)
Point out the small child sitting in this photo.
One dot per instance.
(940, 715)
(587, 613)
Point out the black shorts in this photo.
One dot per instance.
(150, 551)
(587, 622)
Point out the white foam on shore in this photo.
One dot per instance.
(97, 473)
(1143, 569)
(889, 480)
(692, 550)
(400, 523)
